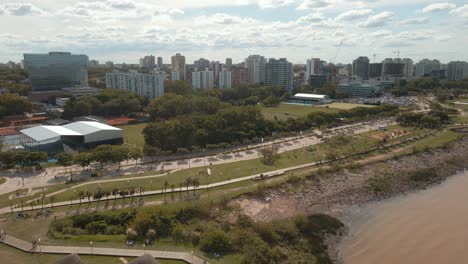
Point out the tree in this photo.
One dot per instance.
(151, 234)
(135, 154)
(269, 155)
(215, 241)
(14, 104)
(84, 159)
(151, 151)
(65, 159)
(103, 154)
(196, 184)
(119, 154)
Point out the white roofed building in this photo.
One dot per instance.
(77, 135)
(309, 99)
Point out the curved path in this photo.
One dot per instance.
(117, 252)
(290, 143)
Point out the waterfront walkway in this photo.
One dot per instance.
(117, 252)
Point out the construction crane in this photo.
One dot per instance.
(398, 53)
(374, 57)
(337, 51)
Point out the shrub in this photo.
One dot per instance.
(215, 241)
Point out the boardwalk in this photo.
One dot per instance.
(117, 252)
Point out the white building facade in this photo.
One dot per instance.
(202, 79)
(148, 85)
(256, 68)
(225, 79)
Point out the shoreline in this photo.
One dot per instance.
(337, 192)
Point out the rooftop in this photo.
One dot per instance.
(312, 96)
(40, 133)
(89, 127)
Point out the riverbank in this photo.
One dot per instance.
(334, 193)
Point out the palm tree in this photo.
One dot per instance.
(166, 184)
(52, 199)
(196, 184)
(81, 195)
(187, 183)
(172, 192)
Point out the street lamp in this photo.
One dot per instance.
(192, 256)
(39, 244)
(91, 244)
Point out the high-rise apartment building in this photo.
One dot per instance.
(225, 79)
(256, 68)
(426, 67)
(148, 62)
(178, 65)
(201, 63)
(279, 73)
(240, 75)
(361, 67)
(313, 67)
(408, 68)
(93, 64)
(228, 63)
(175, 76)
(457, 70)
(392, 68)
(202, 79)
(148, 85)
(56, 70)
(160, 62)
(216, 67)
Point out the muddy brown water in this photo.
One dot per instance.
(428, 226)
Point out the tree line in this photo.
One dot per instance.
(108, 102)
(11, 104)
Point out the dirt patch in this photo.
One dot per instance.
(390, 134)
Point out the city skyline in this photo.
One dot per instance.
(293, 29)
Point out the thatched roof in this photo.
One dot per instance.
(70, 259)
(145, 259)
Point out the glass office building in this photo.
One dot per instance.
(56, 70)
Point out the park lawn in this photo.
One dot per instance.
(284, 111)
(229, 171)
(344, 106)
(133, 134)
(439, 140)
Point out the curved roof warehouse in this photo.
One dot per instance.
(74, 136)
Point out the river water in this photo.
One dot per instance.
(428, 226)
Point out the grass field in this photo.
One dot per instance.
(133, 134)
(285, 111)
(344, 106)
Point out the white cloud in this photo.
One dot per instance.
(311, 18)
(415, 21)
(438, 7)
(354, 14)
(313, 4)
(21, 9)
(462, 11)
(274, 3)
(378, 20)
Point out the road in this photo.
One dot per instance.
(48, 176)
(120, 252)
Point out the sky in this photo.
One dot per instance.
(333, 30)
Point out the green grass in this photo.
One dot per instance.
(284, 111)
(441, 139)
(234, 169)
(133, 134)
(344, 106)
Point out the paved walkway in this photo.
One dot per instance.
(117, 252)
(47, 177)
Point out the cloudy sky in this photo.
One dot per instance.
(125, 30)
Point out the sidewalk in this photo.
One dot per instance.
(117, 252)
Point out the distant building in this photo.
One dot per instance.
(202, 79)
(175, 76)
(255, 65)
(392, 68)
(178, 65)
(408, 68)
(216, 67)
(160, 62)
(361, 67)
(228, 63)
(313, 67)
(358, 89)
(240, 75)
(425, 67)
(93, 64)
(375, 70)
(457, 70)
(148, 62)
(309, 99)
(279, 73)
(148, 85)
(201, 63)
(225, 79)
(56, 70)
(317, 81)
(109, 64)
